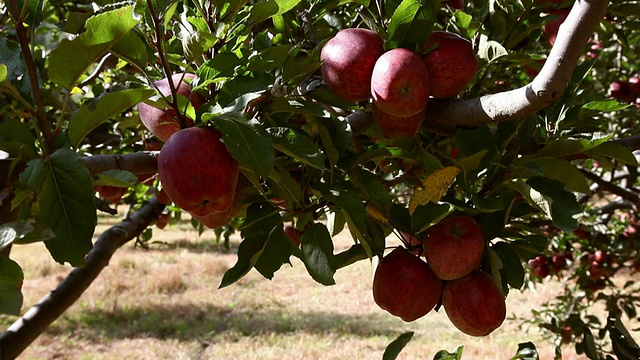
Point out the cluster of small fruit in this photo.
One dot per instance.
(400, 81)
(626, 91)
(409, 287)
(542, 266)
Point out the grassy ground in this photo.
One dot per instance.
(164, 303)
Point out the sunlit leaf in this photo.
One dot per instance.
(317, 248)
(434, 186)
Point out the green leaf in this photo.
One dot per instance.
(133, 48)
(490, 50)
(559, 205)
(395, 347)
(117, 178)
(16, 137)
(275, 253)
(11, 278)
(17, 75)
(605, 105)
(247, 142)
(22, 232)
(265, 9)
(345, 196)
(64, 204)
(298, 146)
(512, 269)
(99, 110)
(71, 59)
(445, 355)
(410, 24)
(3, 72)
(615, 151)
(564, 171)
(317, 248)
(565, 147)
(526, 351)
(261, 222)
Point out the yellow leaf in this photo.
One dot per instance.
(377, 214)
(433, 187)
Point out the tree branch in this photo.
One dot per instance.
(40, 316)
(444, 115)
(142, 162)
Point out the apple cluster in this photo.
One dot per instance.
(542, 266)
(409, 287)
(399, 81)
(626, 91)
(197, 172)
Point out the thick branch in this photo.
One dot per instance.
(444, 115)
(38, 318)
(611, 187)
(142, 162)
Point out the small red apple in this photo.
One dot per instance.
(216, 219)
(348, 60)
(405, 286)
(451, 65)
(111, 194)
(197, 171)
(634, 85)
(456, 4)
(619, 89)
(550, 29)
(294, 234)
(397, 126)
(163, 220)
(454, 247)
(400, 83)
(163, 123)
(474, 304)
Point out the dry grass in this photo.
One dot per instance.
(164, 303)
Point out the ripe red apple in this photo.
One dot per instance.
(348, 60)
(294, 234)
(634, 85)
(405, 286)
(550, 29)
(451, 65)
(111, 194)
(456, 4)
(474, 304)
(163, 220)
(197, 171)
(397, 126)
(218, 218)
(400, 83)
(454, 247)
(619, 89)
(162, 197)
(164, 123)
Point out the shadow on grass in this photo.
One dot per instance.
(190, 322)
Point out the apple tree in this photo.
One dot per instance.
(270, 118)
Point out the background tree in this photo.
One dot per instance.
(536, 149)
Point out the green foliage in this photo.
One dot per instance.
(531, 183)
(395, 347)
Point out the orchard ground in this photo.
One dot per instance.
(164, 303)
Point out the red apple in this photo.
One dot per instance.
(474, 304)
(456, 4)
(348, 60)
(164, 123)
(397, 126)
(634, 85)
(550, 29)
(294, 234)
(111, 194)
(163, 220)
(405, 286)
(217, 219)
(400, 83)
(162, 197)
(454, 247)
(619, 89)
(451, 65)
(197, 171)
